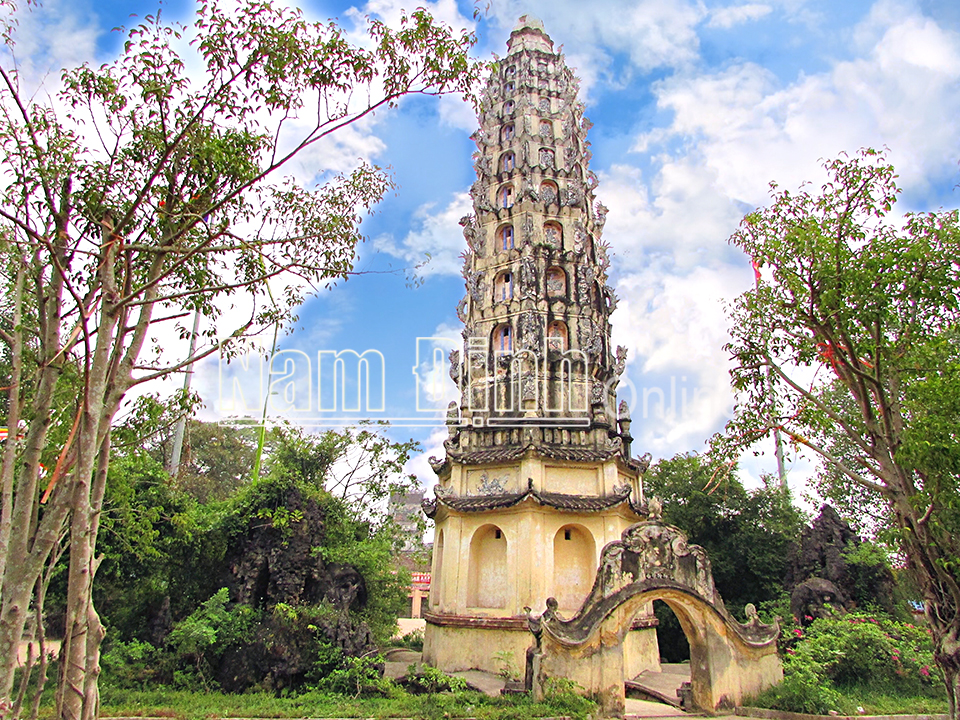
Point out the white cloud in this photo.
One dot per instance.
(650, 33)
(727, 17)
(748, 129)
(435, 242)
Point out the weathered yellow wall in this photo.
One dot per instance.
(476, 575)
(453, 649)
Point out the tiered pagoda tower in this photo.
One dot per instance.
(538, 475)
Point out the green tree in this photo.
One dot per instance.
(848, 345)
(746, 534)
(140, 195)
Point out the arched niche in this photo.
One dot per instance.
(553, 234)
(574, 565)
(556, 282)
(487, 578)
(557, 338)
(435, 578)
(549, 192)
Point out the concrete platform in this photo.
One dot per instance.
(660, 687)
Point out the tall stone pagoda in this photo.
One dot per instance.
(538, 475)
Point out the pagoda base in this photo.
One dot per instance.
(499, 645)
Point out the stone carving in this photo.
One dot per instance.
(531, 332)
(600, 214)
(548, 194)
(472, 233)
(556, 284)
(528, 387)
(654, 508)
(572, 195)
(528, 278)
(551, 236)
(491, 485)
(462, 310)
(546, 158)
(569, 157)
(621, 364)
(482, 165)
(589, 336)
(610, 296)
(474, 285)
(579, 237)
(544, 105)
(455, 366)
(480, 199)
(586, 274)
(527, 229)
(596, 393)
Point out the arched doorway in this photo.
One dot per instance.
(728, 660)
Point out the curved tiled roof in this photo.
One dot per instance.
(559, 501)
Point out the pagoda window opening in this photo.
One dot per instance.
(553, 234)
(509, 87)
(549, 192)
(546, 129)
(503, 287)
(507, 132)
(557, 336)
(506, 237)
(506, 196)
(502, 339)
(556, 282)
(507, 162)
(508, 107)
(511, 70)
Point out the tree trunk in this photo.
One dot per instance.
(945, 629)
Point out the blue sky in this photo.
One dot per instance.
(696, 107)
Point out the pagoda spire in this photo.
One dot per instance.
(537, 308)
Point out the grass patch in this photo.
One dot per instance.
(186, 705)
(875, 702)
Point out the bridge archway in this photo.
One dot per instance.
(653, 561)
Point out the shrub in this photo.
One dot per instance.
(425, 679)
(857, 652)
(801, 691)
(358, 676)
(868, 651)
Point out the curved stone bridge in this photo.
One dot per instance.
(653, 561)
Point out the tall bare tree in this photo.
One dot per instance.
(140, 194)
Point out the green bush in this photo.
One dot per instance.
(852, 654)
(868, 651)
(358, 676)
(426, 679)
(801, 691)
